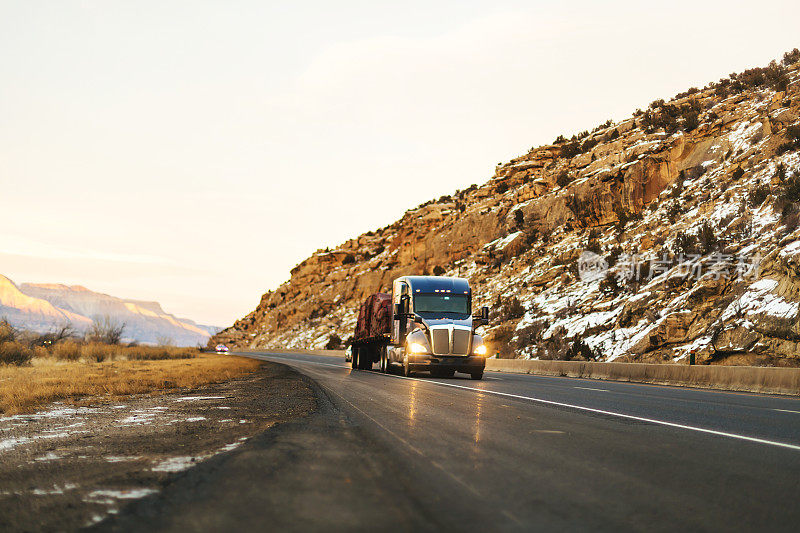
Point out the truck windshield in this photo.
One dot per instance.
(441, 303)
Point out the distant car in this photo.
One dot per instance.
(221, 348)
(348, 354)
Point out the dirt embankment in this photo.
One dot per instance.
(72, 466)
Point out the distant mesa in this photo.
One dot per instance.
(43, 306)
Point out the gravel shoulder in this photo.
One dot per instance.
(72, 467)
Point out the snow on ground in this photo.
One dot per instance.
(759, 299)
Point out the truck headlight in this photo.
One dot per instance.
(416, 347)
(480, 350)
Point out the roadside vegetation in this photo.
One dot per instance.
(36, 369)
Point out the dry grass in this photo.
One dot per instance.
(28, 388)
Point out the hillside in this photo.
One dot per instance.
(674, 231)
(42, 307)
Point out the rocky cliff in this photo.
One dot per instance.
(671, 233)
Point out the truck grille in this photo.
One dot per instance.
(461, 341)
(441, 341)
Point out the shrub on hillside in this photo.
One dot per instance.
(610, 285)
(349, 259)
(758, 194)
(519, 218)
(791, 57)
(685, 243)
(563, 179)
(334, 342)
(509, 309)
(674, 211)
(707, 238)
(439, 270)
(580, 351)
(570, 150)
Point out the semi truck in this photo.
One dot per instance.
(425, 324)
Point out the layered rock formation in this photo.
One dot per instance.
(693, 205)
(44, 307)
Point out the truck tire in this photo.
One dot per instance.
(354, 358)
(384, 365)
(365, 358)
(476, 375)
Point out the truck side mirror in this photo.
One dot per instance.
(485, 314)
(398, 310)
(404, 302)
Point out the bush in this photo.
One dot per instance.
(579, 350)
(509, 309)
(14, 353)
(555, 346)
(570, 150)
(791, 57)
(97, 352)
(334, 342)
(707, 238)
(673, 211)
(593, 243)
(563, 179)
(610, 285)
(156, 353)
(685, 243)
(438, 270)
(106, 330)
(349, 259)
(691, 121)
(501, 188)
(7, 332)
(66, 351)
(519, 218)
(758, 194)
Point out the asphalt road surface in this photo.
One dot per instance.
(510, 453)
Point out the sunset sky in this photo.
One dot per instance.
(194, 152)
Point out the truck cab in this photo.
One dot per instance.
(433, 327)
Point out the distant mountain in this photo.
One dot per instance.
(21, 309)
(41, 307)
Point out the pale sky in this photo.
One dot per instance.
(194, 152)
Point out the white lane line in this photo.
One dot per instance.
(589, 388)
(590, 410)
(787, 411)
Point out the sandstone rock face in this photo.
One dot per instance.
(701, 258)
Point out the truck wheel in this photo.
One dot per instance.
(366, 359)
(476, 375)
(384, 366)
(354, 359)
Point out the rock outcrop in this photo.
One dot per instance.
(692, 204)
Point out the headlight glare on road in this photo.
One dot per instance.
(480, 350)
(417, 348)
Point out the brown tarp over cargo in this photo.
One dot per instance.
(374, 316)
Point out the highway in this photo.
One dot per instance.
(519, 460)
(509, 453)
